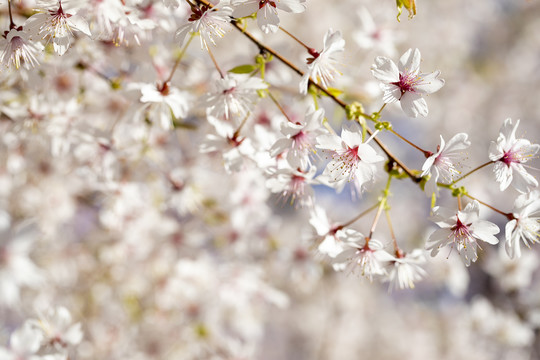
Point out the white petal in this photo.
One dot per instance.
(410, 61)
(413, 105)
(430, 83)
(385, 70)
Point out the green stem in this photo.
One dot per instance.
(382, 205)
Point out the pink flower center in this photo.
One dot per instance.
(262, 3)
(510, 157)
(461, 232)
(407, 82)
(348, 161)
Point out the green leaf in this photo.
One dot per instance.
(243, 69)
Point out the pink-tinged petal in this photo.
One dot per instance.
(331, 246)
(485, 231)
(368, 154)
(495, 151)
(319, 221)
(438, 239)
(431, 185)
(508, 130)
(61, 45)
(329, 141)
(410, 61)
(290, 129)
(429, 83)
(458, 142)
(333, 41)
(385, 70)
(304, 82)
(78, 23)
(503, 175)
(426, 167)
(413, 105)
(522, 180)
(280, 146)
(444, 217)
(392, 93)
(512, 244)
(352, 136)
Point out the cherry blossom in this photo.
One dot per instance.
(162, 101)
(405, 270)
(233, 97)
(19, 48)
(442, 164)
(367, 255)
(293, 185)
(405, 83)
(461, 230)
(351, 158)
(509, 154)
(58, 25)
(300, 138)
(210, 23)
(321, 66)
(525, 225)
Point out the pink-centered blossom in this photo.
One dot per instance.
(209, 23)
(368, 257)
(525, 225)
(57, 25)
(510, 154)
(18, 48)
(233, 97)
(442, 164)
(293, 185)
(300, 138)
(351, 158)
(321, 65)
(406, 269)
(404, 82)
(461, 230)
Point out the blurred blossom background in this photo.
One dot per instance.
(121, 239)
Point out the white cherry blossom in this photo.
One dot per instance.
(509, 154)
(210, 23)
(162, 101)
(406, 269)
(525, 225)
(442, 164)
(367, 256)
(293, 185)
(58, 328)
(405, 83)
(233, 97)
(58, 25)
(351, 158)
(321, 65)
(300, 138)
(461, 229)
(18, 48)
